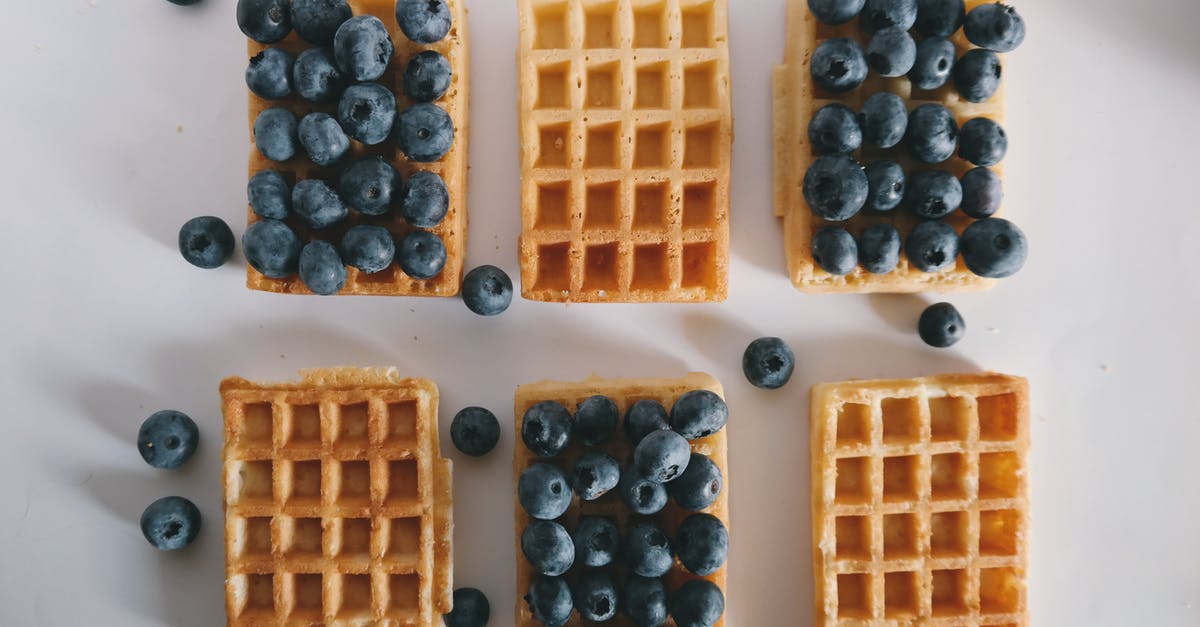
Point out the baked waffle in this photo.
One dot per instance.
(337, 502)
(797, 98)
(920, 501)
(623, 392)
(626, 135)
(452, 167)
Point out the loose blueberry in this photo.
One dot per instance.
(878, 15)
(596, 419)
(206, 242)
(939, 18)
(697, 603)
(596, 596)
(487, 291)
(640, 494)
(317, 21)
(595, 474)
(834, 12)
(471, 609)
(425, 132)
(363, 48)
(548, 547)
(272, 248)
(423, 21)
(544, 491)
(886, 185)
(316, 76)
(427, 76)
(994, 248)
(835, 187)
(768, 363)
(995, 27)
(171, 523)
(421, 255)
(838, 65)
(933, 194)
(546, 429)
(275, 134)
(644, 417)
(699, 414)
(646, 601)
(549, 600)
(884, 118)
(698, 486)
(269, 195)
(702, 544)
(475, 431)
(892, 52)
(167, 439)
(977, 75)
(596, 541)
(834, 130)
(269, 74)
(264, 21)
(982, 193)
(934, 63)
(662, 456)
(879, 248)
(941, 326)
(370, 185)
(932, 246)
(932, 133)
(318, 204)
(835, 251)
(321, 268)
(323, 139)
(647, 550)
(982, 142)
(426, 200)
(368, 248)
(367, 112)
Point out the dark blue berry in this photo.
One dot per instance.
(834, 130)
(596, 541)
(318, 204)
(596, 419)
(879, 249)
(884, 118)
(475, 431)
(640, 494)
(838, 65)
(264, 21)
(697, 603)
(932, 246)
(269, 74)
(426, 200)
(982, 193)
(647, 550)
(167, 439)
(275, 134)
(544, 491)
(367, 112)
(487, 291)
(698, 486)
(941, 326)
(272, 248)
(880, 14)
(886, 185)
(269, 195)
(932, 133)
(427, 76)
(891, 52)
(982, 142)
(548, 547)
(316, 76)
(643, 418)
(369, 248)
(321, 268)
(596, 596)
(425, 132)
(835, 187)
(317, 21)
(934, 63)
(834, 12)
(835, 251)
(423, 21)
(471, 609)
(977, 75)
(546, 429)
(646, 601)
(939, 18)
(768, 363)
(662, 456)
(994, 248)
(323, 139)
(370, 185)
(549, 600)
(595, 474)
(933, 194)
(171, 523)
(699, 414)
(702, 544)
(363, 48)
(421, 255)
(995, 27)
(206, 242)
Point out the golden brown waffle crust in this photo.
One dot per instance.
(452, 167)
(623, 392)
(989, 418)
(796, 99)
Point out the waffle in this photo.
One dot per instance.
(337, 503)
(920, 501)
(623, 392)
(452, 167)
(626, 135)
(796, 99)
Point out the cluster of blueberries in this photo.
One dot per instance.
(166, 440)
(663, 468)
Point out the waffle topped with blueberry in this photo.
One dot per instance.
(889, 145)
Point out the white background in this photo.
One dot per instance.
(121, 119)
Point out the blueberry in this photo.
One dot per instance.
(317, 21)
(206, 242)
(596, 541)
(982, 142)
(546, 429)
(932, 133)
(933, 194)
(594, 475)
(879, 249)
(426, 200)
(370, 185)
(880, 14)
(475, 431)
(647, 550)
(884, 118)
(318, 204)
(549, 600)
(421, 255)
(838, 65)
(363, 48)
(323, 139)
(316, 76)
(994, 248)
(321, 268)
(995, 27)
(269, 195)
(264, 21)
(367, 112)
(835, 187)
(269, 74)
(272, 248)
(596, 420)
(768, 363)
(167, 439)
(934, 63)
(171, 523)
(977, 75)
(662, 456)
(698, 486)
(932, 246)
(891, 52)
(697, 603)
(640, 494)
(184, 3)
(425, 132)
(834, 12)
(423, 21)
(548, 547)
(544, 491)
(939, 18)
(699, 414)
(702, 543)
(982, 193)
(471, 609)
(834, 130)
(835, 251)
(487, 291)
(369, 248)
(886, 185)
(596, 596)
(941, 326)
(643, 418)
(275, 134)
(646, 601)
(427, 76)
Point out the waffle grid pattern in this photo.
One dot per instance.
(626, 132)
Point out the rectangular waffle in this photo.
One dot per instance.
(337, 502)
(626, 137)
(623, 392)
(920, 501)
(452, 167)
(796, 99)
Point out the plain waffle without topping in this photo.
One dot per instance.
(797, 98)
(452, 167)
(623, 392)
(920, 501)
(626, 136)
(337, 502)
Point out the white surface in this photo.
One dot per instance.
(104, 323)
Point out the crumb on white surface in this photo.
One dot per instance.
(178, 128)
(1106, 369)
